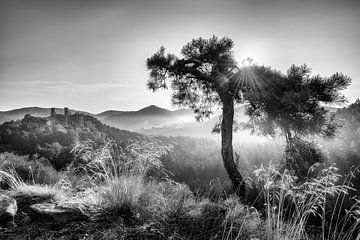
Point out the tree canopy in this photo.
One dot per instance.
(292, 103)
(206, 64)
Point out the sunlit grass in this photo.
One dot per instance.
(30, 171)
(121, 179)
(40, 191)
(169, 210)
(282, 196)
(18, 188)
(122, 193)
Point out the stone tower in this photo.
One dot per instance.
(66, 113)
(52, 113)
(81, 120)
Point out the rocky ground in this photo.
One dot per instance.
(41, 218)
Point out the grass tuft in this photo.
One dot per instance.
(122, 193)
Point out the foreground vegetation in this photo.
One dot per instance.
(128, 186)
(125, 202)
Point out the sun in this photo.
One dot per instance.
(248, 76)
(247, 62)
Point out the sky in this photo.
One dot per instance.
(90, 55)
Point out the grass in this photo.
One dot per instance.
(17, 187)
(122, 193)
(41, 191)
(134, 206)
(26, 179)
(290, 207)
(29, 170)
(123, 186)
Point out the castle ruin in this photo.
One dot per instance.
(77, 117)
(52, 113)
(66, 113)
(54, 117)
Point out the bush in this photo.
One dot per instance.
(30, 171)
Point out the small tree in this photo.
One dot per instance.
(205, 76)
(291, 105)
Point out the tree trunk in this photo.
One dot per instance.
(227, 147)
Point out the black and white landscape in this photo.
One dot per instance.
(164, 119)
(151, 120)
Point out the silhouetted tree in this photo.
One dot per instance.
(205, 76)
(290, 104)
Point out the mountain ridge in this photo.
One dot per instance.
(150, 120)
(35, 110)
(147, 117)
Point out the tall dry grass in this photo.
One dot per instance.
(18, 188)
(122, 174)
(290, 206)
(24, 178)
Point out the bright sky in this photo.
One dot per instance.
(90, 55)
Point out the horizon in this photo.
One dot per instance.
(132, 110)
(91, 55)
(105, 110)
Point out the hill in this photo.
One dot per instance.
(146, 118)
(17, 114)
(202, 129)
(151, 120)
(56, 137)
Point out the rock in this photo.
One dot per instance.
(24, 201)
(8, 208)
(55, 212)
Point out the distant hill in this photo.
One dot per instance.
(146, 118)
(18, 114)
(151, 116)
(151, 120)
(55, 137)
(204, 129)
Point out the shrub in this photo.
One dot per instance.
(30, 171)
(300, 155)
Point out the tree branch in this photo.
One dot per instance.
(197, 74)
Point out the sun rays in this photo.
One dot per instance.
(249, 77)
